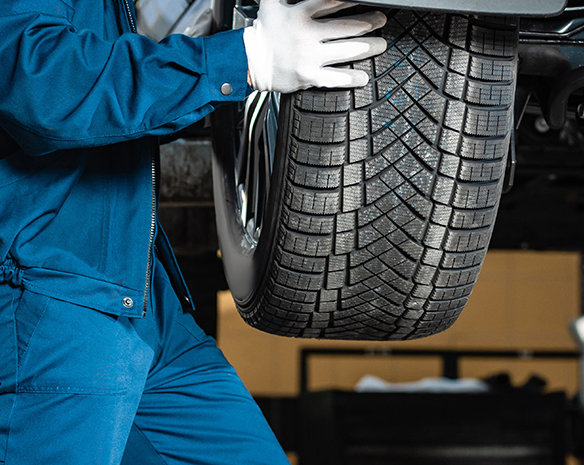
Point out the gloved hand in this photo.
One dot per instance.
(289, 48)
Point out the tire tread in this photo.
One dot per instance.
(392, 189)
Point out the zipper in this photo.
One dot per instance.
(153, 202)
(153, 194)
(130, 16)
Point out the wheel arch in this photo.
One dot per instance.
(494, 7)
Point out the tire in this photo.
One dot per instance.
(383, 199)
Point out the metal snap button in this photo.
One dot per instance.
(127, 302)
(226, 89)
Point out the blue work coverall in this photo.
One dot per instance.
(99, 363)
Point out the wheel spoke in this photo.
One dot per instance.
(255, 158)
(249, 181)
(241, 154)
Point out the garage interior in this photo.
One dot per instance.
(503, 386)
(515, 335)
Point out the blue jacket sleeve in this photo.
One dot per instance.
(64, 88)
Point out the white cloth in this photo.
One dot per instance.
(290, 48)
(370, 383)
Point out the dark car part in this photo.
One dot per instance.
(556, 107)
(551, 59)
(381, 200)
(499, 7)
(566, 29)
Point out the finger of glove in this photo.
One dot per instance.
(340, 77)
(352, 26)
(320, 8)
(343, 51)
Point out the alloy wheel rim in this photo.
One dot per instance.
(254, 160)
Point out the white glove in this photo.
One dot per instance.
(289, 48)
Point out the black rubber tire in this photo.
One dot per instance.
(387, 195)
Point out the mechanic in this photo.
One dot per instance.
(99, 362)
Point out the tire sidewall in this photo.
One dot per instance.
(246, 266)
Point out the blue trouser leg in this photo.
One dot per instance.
(76, 384)
(195, 409)
(81, 387)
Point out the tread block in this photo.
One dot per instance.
(317, 155)
(317, 177)
(358, 150)
(472, 219)
(344, 242)
(447, 307)
(459, 61)
(489, 41)
(489, 70)
(352, 198)
(451, 293)
(489, 94)
(332, 101)
(352, 174)
(293, 295)
(310, 127)
(309, 224)
(364, 96)
(345, 222)
(481, 149)
(300, 263)
(383, 115)
(458, 31)
(455, 114)
(480, 171)
(433, 104)
(358, 124)
(487, 122)
(312, 202)
(455, 86)
(304, 244)
(449, 165)
(463, 260)
(466, 241)
(476, 195)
